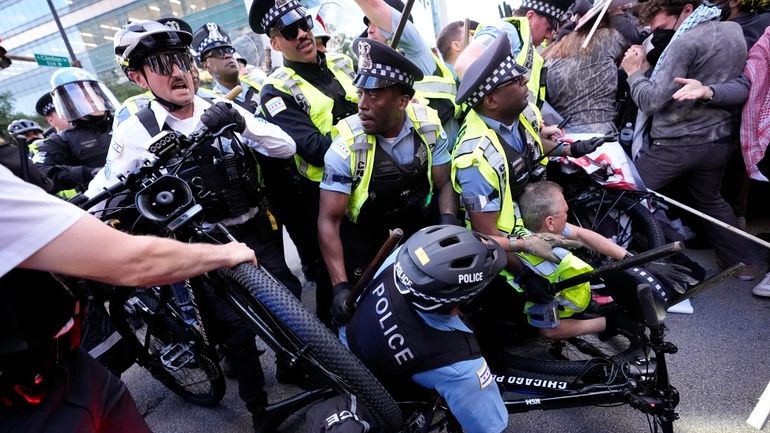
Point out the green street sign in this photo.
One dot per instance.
(56, 61)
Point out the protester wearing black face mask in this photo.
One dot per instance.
(690, 141)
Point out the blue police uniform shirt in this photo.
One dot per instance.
(476, 189)
(487, 34)
(467, 386)
(400, 148)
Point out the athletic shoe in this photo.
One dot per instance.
(763, 288)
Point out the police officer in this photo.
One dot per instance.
(48, 383)
(71, 157)
(498, 151)
(383, 169)
(157, 58)
(406, 328)
(217, 55)
(438, 83)
(24, 132)
(306, 96)
(45, 107)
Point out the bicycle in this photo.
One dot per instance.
(278, 317)
(605, 195)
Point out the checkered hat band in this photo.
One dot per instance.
(276, 12)
(543, 7)
(389, 72)
(48, 108)
(491, 82)
(208, 41)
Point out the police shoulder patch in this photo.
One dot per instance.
(116, 148)
(340, 149)
(275, 105)
(484, 375)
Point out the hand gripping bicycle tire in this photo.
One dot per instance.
(315, 343)
(190, 369)
(622, 218)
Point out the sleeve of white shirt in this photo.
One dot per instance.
(267, 138)
(30, 219)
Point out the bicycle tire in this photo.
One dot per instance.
(622, 218)
(200, 380)
(322, 346)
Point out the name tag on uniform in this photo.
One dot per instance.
(275, 105)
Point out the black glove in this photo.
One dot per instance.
(448, 218)
(673, 276)
(341, 312)
(583, 147)
(536, 288)
(222, 114)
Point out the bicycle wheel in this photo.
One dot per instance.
(300, 332)
(174, 352)
(621, 218)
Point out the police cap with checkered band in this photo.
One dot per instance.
(44, 105)
(208, 37)
(492, 68)
(266, 14)
(381, 66)
(554, 10)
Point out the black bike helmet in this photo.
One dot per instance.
(23, 126)
(136, 40)
(442, 266)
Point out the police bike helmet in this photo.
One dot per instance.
(23, 126)
(78, 94)
(139, 39)
(442, 266)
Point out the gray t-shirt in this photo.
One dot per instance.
(583, 85)
(711, 52)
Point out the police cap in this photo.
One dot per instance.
(381, 66)
(208, 37)
(494, 67)
(554, 10)
(265, 14)
(176, 24)
(44, 105)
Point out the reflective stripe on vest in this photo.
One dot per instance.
(312, 101)
(425, 121)
(531, 59)
(480, 146)
(438, 86)
(574, 299)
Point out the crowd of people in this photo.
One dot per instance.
(339, 152)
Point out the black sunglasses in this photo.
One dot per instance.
(291, 31)
(519, 80)
(219, 52)
(163, 63)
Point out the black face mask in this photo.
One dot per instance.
(660, 39)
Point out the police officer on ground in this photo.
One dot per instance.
(70, 158)
(157, 58)
(306, 97)
(217, 55)
(416, 297)
(47, 382)
(438, 83)
(384, 169)
(45, 107)
(498, 152)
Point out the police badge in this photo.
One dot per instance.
(173, 24)
(364, 59)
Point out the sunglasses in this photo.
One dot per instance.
(219, 52)
(163, 63)
(519, 80)
(291, 31)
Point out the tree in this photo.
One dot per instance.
(6, 111)
(124, 90)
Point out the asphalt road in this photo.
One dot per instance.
(721, 369)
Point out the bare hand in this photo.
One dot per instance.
(551, 132)
(237, 253)
(692, 90)
(633, 60)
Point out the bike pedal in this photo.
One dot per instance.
(176, 356)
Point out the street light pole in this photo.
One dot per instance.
(74, 59)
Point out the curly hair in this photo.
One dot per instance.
(670, 7)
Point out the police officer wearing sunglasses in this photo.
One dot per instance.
(157, 58)
(306, 96)
(217, 55)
